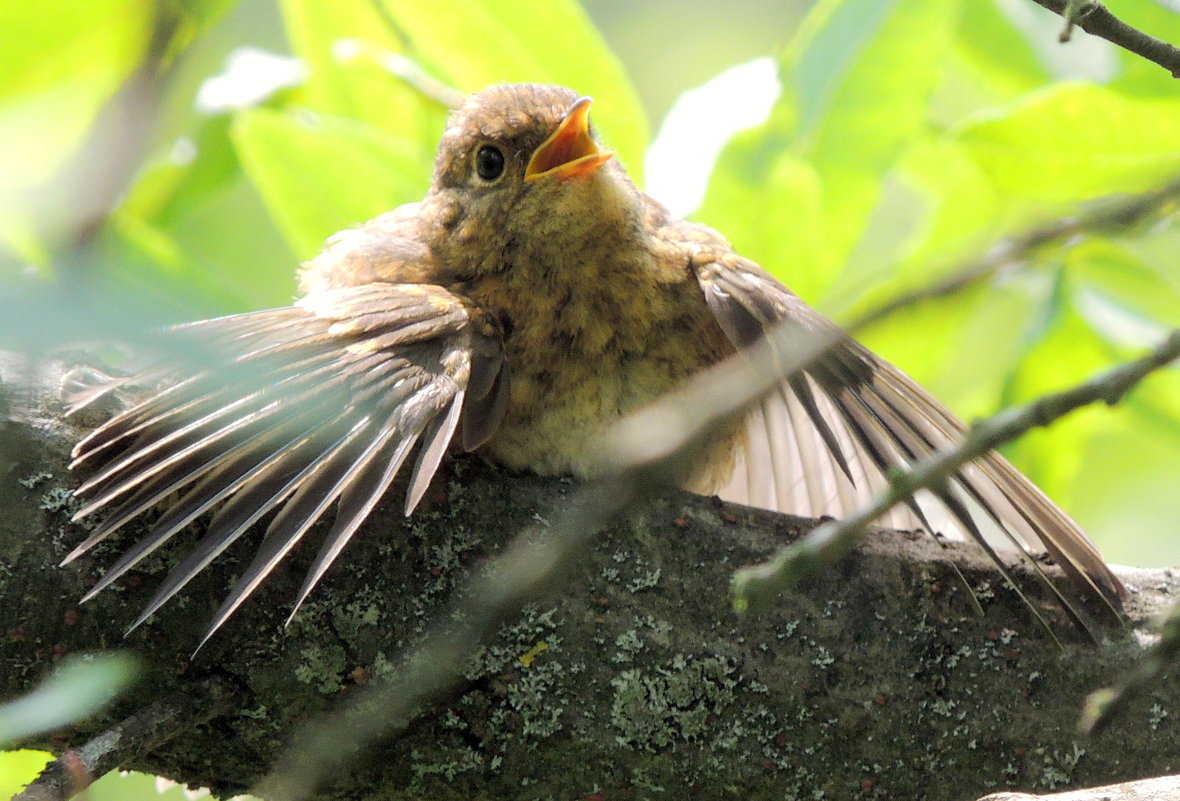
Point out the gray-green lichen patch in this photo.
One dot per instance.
(531, 674)
(33, 480)
(322, 668)
(464, 761)
(58, 499)
(671, 703)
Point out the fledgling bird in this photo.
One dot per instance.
(532, 298)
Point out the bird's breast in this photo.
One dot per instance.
(588, 344)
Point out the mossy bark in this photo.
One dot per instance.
(634, 679)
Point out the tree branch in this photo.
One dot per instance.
(1095, 19)
(1102, 216)
(629, 672)
(161, 721)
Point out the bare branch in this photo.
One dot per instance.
(1101, 216)
(1095, 19)
(1103, 705)
(76, 769)
(649, 678)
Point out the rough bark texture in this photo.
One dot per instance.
(633, 680)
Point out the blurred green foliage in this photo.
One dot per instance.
(910, 135)
(78, 687)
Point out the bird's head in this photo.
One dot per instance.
(518, 169)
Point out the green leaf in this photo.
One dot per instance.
(874, 104)
(1126, 491)
(1075, 141)
(357, 88)
(964, 347)
(18, 768)
(473, 45)
(62, 61)
(65, 42)
(319, 174)
(785, 234)
(996, 54)
(1112, 469)
(965, 208)
(79, 687)
(857, 81)
(468, 45)
(1125, 298)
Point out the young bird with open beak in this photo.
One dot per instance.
(531, 299)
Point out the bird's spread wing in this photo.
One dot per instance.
(307, 406)
(822, 443)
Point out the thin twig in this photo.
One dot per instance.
(1103, 705)
(78, 768)
(1095, 19)
(402, 67)
(1102, 215)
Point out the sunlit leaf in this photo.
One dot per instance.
(60, 65)
(63, 61)
(1123, 298)
(539, 41)
(1112, 469)
(1076, 141)
(874, 100)
(966, 210)
(321, 174)
(357, 88)
(18, 768)
(66, 41)
(769, 203)
(965, 347)
(856, 83)
(994, 53)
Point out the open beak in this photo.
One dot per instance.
(570, 151)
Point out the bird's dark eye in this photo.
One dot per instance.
(489, 163)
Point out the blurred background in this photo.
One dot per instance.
(162, 162)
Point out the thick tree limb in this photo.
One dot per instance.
(631, 675)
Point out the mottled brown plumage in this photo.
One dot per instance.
(533, 297)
